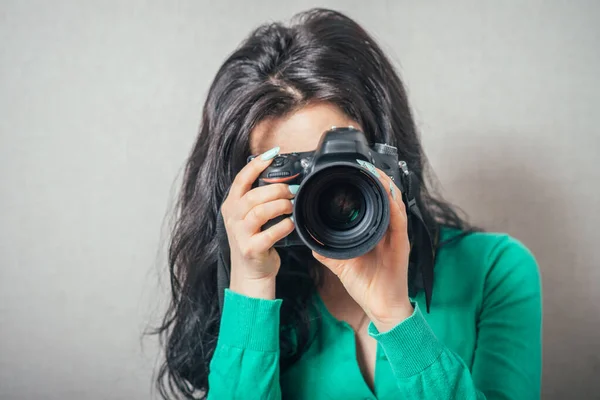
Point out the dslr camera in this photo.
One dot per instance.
(341, 209)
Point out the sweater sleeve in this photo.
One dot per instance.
(507, 359)
(245, 364)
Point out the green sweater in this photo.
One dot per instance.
(482, 339)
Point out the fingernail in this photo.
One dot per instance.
(368, 166)
(292, 201)
(294, 188)
(270, 154)
(392, 191)
(292, 218)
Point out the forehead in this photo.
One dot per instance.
(301, 130)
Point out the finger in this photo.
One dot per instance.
(263, 194)
(250, 173)
(266, 239)
(263, 213)
(397, 209)
(391, 188)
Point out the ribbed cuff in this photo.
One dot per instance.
(250, 323)
(411, 346)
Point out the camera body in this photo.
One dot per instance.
(341, 209)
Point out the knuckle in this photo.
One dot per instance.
(402, 210)
(285, 206)
(286, 226)
(251, 197)
(269, 236)
(256, 213)
(284, 190)
(247, 252)
(400, 202)
(260, 214)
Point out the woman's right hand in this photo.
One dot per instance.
(254, 261)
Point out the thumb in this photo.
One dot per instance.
(319, 258)
(333, 265)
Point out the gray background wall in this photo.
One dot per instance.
(99, 104)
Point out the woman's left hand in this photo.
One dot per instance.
(378, 280)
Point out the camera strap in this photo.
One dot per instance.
(423, 258)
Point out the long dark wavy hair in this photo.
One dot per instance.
(322, 56)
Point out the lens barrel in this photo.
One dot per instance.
(341, 210)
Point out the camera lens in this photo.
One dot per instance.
(341, 211)
(341, 206)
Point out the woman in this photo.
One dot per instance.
(297, 325)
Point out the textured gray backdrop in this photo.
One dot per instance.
(99, 104)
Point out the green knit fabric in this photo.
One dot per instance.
(482, 339)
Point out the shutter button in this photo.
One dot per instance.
(278, 162)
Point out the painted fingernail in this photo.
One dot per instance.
(294, 188)
(270, 154)
(292, 218)
(392, 191)
(293, 200)
(369, 166)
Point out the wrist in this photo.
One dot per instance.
(261, 288)
(387, 318)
